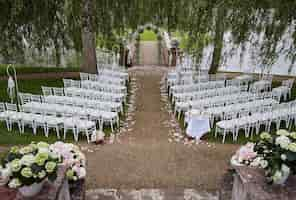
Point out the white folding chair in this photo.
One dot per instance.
(47, 91)
(84, 76)
(67, 82)
(58, 91)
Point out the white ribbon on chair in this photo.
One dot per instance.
(11, 88)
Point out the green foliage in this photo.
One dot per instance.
(148, 35)
(58, 24)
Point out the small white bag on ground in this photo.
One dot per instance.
(98, 136)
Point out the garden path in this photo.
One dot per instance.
(148, 53)
(144, 155)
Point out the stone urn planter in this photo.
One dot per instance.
(31, 190)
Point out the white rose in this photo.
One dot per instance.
(43, 150)
(82, 173)
(54, 155)
(285, 169)
(28, 160)
(277, 176)
(282, 141)
(282, 132)
(283, 157)
(256, 162)
(263, 163)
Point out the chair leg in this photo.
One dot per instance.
(65, 133)
(58, 131)
(7, 125)
(19, 124)
(224, 135)
(87, 136)
(46, 130)
(111, 123)
(216, 131)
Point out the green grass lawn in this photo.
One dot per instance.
(30, 86)
(148, 35)
(21, 69)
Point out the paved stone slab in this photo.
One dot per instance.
(149, 194)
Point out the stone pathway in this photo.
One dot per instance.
(148, 53)
(146, 160)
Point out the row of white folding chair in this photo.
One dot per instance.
(92, 114)
(28, 97)
(94, 95)
(285, 90)
(216, 101)
(72, 83)
(221, 113)
(206, 93)
(222, 100)
(83, 93)
(102, 78)
(86, 103)
(196, 87)
(103, 87)
(123, 75)
(186, 80)
(50, 120)
(94, 85)
(260, 85)
(252, 123)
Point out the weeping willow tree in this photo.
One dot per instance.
(269, 26)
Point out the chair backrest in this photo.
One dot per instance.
(67, 82)
(36, 98)
(75, 83)
(25, 97)
(58, 91)
(83, 76)
(2, 107)
(289, 83)
(244, 113)
(230, 115)
(50, 113)
(11, 107)
(47, 91)
(93, 77)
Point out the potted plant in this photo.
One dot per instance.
(28, 167)
(276, 154)
(73, 158)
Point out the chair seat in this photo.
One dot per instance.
(225, 124)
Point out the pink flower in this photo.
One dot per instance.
(246, 153)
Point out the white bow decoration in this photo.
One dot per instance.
(11, 88)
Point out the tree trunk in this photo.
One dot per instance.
(57, 53)
(89, 59)
(292, 64)
(218, 41)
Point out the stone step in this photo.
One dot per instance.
(149, 194)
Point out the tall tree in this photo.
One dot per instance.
(89, 63)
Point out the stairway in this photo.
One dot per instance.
(149, 194)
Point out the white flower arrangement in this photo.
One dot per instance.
(28, 165)
(37, 162)
(72, 157)
(276, 154)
